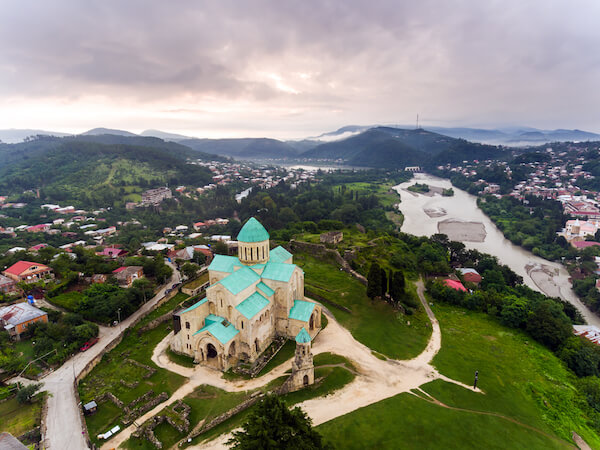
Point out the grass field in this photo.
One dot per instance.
(17, 418)
(107, 375)
(69, 300)
(374, 323)
(521, 380)
(197, 282)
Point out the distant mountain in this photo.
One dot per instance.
(164, 135)
(516, 136)
(99, 131)
(397, 148)
(341, 133)
(14, 135)
(246, 148)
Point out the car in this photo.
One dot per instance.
(88, 344)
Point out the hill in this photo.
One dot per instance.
(91, 174)
(97, 131)
(246, 148)
(396, 148)
(14, 135)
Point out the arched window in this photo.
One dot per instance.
(242, 324)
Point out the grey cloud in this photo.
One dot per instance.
(492, 60)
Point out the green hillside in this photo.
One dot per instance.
(243, 148)
(397, 148)
(92, 174)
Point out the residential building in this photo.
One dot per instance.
(155, 196)
(126, 275)
(29, 272)
(16, 318)
(470, 275)
(7, 285)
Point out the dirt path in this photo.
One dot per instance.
(376, 380)
(430, 399)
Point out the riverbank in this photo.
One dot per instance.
(422, 217)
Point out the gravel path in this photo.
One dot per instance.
(376, 380)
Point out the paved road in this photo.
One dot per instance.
(64, 430)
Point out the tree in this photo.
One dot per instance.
(190, 270)
(384, 282)
(26, 393)
(549, 325)
(397, 285)
(374, 281)
(273, 426)
(220, 248)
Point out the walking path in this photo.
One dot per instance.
(64, 428)
(376, 380)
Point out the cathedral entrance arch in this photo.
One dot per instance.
(211, 351)
(232, 349)
(311, 323)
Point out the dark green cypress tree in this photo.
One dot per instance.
(374, 281)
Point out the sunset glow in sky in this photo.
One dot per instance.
(297, 69)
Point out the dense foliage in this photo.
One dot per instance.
(532, 225)
(272, 426)
(64, 334)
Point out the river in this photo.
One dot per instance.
(459, 215)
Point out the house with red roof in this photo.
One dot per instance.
(456, 285)
(112, 252)
(29, 272)
(580, 245)
(126, 275)
(35, 248)
(470, 275)
(41, 228)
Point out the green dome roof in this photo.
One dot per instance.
(253, 231)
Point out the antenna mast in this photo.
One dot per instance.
(417, 121)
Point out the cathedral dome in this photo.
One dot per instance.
(253, 231)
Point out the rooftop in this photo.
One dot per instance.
(253, 231)
(278, 271)
(19, 313)
(303, 337)
(222, 330)
(19, 267)
(301, 310)
(240, 280)
(224, 263)
(252, 305)
(279, 254)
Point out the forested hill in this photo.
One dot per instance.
(90, 174)
(11, 153)
(250, 148)
(397, 148)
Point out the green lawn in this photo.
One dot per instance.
(374, 323)
(407, 422)
(69, 300)
(334, 378)
(520, 379)
(182, 360)
(17, 418)
(107, 375)
(197, 282)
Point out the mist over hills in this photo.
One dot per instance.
(357, 145)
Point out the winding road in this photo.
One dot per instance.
(64, 428)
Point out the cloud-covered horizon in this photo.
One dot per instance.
(292, 69)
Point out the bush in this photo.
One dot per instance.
(26, 393)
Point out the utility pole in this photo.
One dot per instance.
(119, 315)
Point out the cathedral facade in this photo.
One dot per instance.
(252, 298)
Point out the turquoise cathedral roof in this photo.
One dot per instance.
(253, 231)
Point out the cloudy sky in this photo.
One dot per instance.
(294, 69)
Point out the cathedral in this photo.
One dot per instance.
(252, 298)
